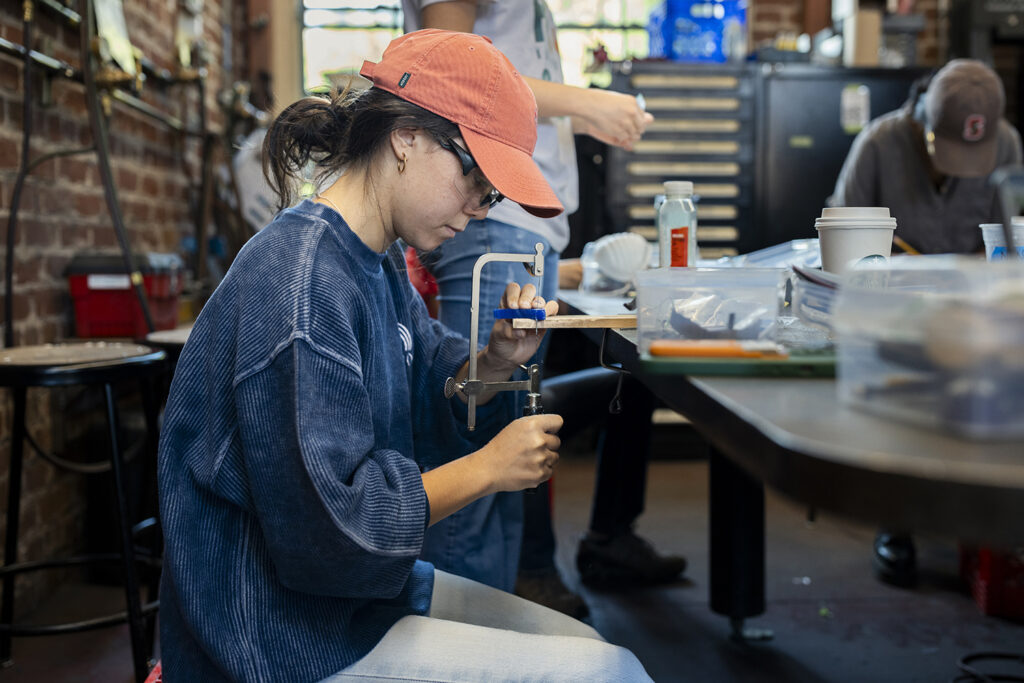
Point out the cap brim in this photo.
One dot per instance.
(513, 173)
(965, 159)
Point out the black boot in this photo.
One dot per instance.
(545, 587)
(624, 560)
(895, 560)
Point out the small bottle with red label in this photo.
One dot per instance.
(677, 226)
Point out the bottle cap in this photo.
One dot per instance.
(678, 187)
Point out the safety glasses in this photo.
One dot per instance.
(489, 194)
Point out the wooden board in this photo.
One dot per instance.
(616, 322)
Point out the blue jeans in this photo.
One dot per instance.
(475, 633)
(482, 540)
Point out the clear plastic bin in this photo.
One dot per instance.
(813, 304)
(707, 303)
(937, 341)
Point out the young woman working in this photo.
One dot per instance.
(307, 444)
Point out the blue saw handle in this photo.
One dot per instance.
(531, 313)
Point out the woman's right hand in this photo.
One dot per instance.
(524, 453)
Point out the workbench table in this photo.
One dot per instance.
(793, 435)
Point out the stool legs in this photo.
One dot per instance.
(136, 621)
(152, 411)
(13, 513)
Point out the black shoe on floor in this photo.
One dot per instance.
(895, 560)
(545, 587)
(624, 560)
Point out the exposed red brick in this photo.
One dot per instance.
(10, 153)
(13, 33)
(766, 17)
(22, 303)
(37, 233)
(27, 272)
(104, 238)
(74, 169)
(150, 186)
(89, 204)
(10, 75)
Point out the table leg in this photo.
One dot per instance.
(736, 514)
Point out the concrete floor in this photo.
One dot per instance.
(832, 621)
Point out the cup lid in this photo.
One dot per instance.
(837, 223)
(1016, 222)
(859, 212)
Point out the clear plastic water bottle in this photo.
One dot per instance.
(677, 226)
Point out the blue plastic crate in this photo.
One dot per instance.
(697, 30)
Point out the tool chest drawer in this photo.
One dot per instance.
(702, 131)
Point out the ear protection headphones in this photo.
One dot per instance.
(917, 91)
(919, 113)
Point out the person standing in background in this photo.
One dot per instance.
(929, 163)
(483, 541)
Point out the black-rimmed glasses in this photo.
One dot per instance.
(490, 195)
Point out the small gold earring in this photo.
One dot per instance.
(401, 165)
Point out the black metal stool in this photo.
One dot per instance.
(92, 363)
(171, 341)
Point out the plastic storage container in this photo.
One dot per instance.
(698, 31)
(813, 304)
(104, 300)
(707, 303)
(937, 341)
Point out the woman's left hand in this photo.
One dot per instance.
(512, 347)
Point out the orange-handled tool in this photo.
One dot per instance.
(716, 348)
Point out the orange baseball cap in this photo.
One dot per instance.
(465, 79)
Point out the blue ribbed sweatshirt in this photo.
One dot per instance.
(304, 407)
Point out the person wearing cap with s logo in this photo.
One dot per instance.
(307, 444)
(929, 163)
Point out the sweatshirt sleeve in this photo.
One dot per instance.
(340, 517)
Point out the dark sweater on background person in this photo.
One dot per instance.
(291, 496)
(886, 166)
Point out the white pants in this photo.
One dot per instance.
(481, 634)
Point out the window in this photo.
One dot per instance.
(337, 36)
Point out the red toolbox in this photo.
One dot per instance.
(996, 580)
(105, 302)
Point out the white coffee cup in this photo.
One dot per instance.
(849, 235)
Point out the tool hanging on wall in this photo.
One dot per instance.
(106, 82)
(98, 105)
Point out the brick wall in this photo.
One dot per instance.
(62, 211)
(770, 17)
(932, 45)
(767, 18)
